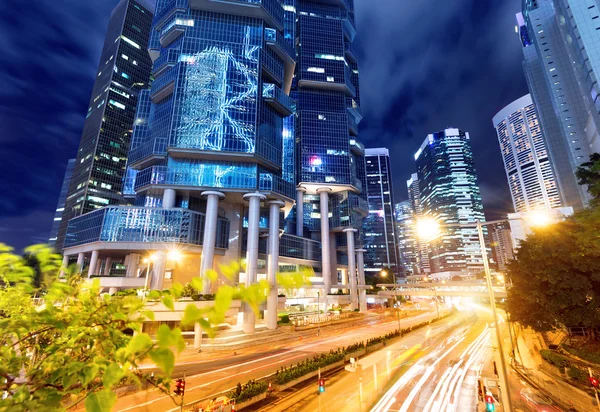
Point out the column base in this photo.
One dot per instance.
(249, 322)
(362, 301)
(272, 309)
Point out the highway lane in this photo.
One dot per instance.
(215, 376)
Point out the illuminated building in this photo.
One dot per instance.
(60, 207)
(422, 248)
(407, 241)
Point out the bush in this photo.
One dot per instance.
(209, 296)
(356, 310)
(555, 359)
(196, 297)
(285, 319)
(281, 295)
(189, 291)
(251, 389)
(583, 354)
(578, 375)
(285, 375)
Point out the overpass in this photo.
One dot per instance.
(477, 289)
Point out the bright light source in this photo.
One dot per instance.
(539, 218)
(427, 228)
(383, 273)
(174, 255)
(153, 257)
(500, 278)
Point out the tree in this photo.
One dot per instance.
(589, 174)
(556, 275)
(75, 347)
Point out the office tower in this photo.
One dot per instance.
(502, 245)
(124, 70)
(212, 165)
(60, 207)
(422, 248)
(528, 167)
(330, 158)
(559, 39)
(407, 242)
(379, 226)
(449, 193)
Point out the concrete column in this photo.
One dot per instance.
(352, 268)
(300, 211)
(64, 265)
(325, 250)
(197, 335)
(254, 200)
(333, 259)
(112, 291)
(362, 293)
(80, 262)
(93, 263)
(107, 266)
(168, 198)
(132, 265)
(210, 236)
(160, 265)
(273, 261)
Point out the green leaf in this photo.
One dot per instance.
(197, 284)
(165, 337)
(102, 401)
(154, 294)
(212, 274)
(139, 343)
(89, 373)
(177, 289)
(168, 302)
(191, 314)
(164, 359)
(112, 375)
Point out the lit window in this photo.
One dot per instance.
(130, 42)
(322, 117)
(117, 104)
(330, 79)
(315, 70)
(97, 199)
(125, 75)
(329, 57)
(125, 57)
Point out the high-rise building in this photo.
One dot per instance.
(449, 193)
(379, 226)
(60, 206)
(124, 69)
(422, 248)
(525, 155)
(408, 252)
(502, 246)
(214, 167)
(560, 39)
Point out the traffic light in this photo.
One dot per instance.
(179, 387)
(489, 403)
(321, 385)
(594, 381)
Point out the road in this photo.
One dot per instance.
(214, 376)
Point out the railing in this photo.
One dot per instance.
(142, 224)
(352, 126)
(273, 38)
(172, 7)
(271, 66)
(270, 183)
(156, 146)
(357, 147)
(167, 58)
(280, 101)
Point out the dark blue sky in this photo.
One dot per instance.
(424, 65)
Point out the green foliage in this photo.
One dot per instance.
(285, 375)
(589, 356)
(251, 389)
(555, 359)
(556, 275)
(578, 375)
(589, 174)
(285, 319)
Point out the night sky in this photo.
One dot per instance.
(424, 65)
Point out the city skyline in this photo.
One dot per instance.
(26, 218)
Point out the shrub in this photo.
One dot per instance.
(555, 359)
(583, 354)
(285, 319)
(189, 291)
(578, 375)
(251, 389)
(196, 297)
(356, 310)
(285, 375)
(281, 295)
(209, 296)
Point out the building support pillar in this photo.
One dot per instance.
(160, 265)
(107, 266)
(362, 293)
(197, 335)
(80, 262)
(210, 236)
(352, 267)
(64, 266)
(169, 196)
(112, 291)
(132, 265)
(300, 211)
(93, 263)
(273, 262)
(325, 246)
(254, 199)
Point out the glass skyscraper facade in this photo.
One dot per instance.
(449, 193)
(407, 241)
(524, 152)
(559, 40)
(60, 207)
(124, 70)
(379, 225)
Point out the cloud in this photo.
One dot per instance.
(22, 231)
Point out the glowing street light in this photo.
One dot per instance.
(427, 228)
(539, 218)
(383, 273)
(174, 255)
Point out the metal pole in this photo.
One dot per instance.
(183, 394)
(318, 319)
(396, 303)
(505, 393)
(595, 390)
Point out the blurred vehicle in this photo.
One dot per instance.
(538, 402)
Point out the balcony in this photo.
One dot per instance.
(354, 109)
(340, 85)
(283, 49)
(142, 224)
(275, 184)
(175, 6)
(164, 85)
(348, 26)
(349, 52)
(171, 32)
(357, 147)
(268, 10)
(352, 126)
(276, 98)
(272, 68)
(165, 61)
(148, 153)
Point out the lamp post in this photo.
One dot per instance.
(318, 315)
(383, 275)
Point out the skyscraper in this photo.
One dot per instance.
(450, 194)
(559, 40)
(422, 248)
(379, 226)
(528, 167)
(407, 241)
(214, 167)
(502, 245)
(60, 207)
(124, 69)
